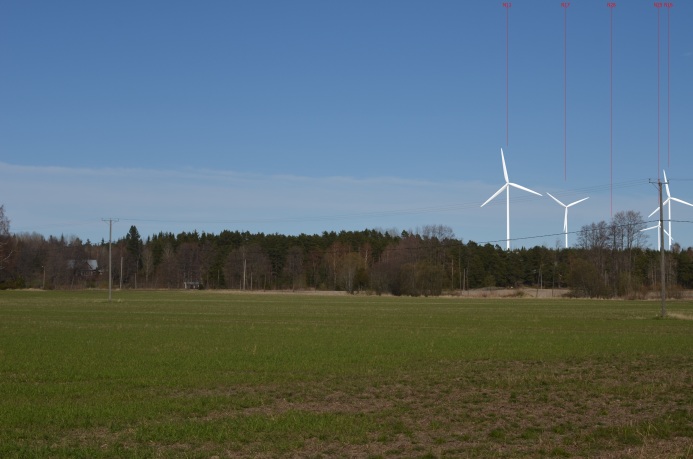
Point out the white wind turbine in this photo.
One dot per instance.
(667, 202)
(565, 220)
(659, 243)
(506, 187)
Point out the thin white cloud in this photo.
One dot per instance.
(55, 197)
(59, 200)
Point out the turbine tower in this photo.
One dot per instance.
(667, 202)
(506, 187)
(565, 220)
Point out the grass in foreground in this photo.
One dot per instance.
(202, 374)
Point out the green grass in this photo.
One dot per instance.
(201, 374)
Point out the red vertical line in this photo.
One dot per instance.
(507, 75)
(668, 87)
(611, 107)
(658, 96)
(565, 93)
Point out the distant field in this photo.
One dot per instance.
(203, 374)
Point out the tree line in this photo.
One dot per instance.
(610, 260)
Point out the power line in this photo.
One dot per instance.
(386, 213)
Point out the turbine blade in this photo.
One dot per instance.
(681, 201)
(655, 227)
(523, 188)
(577, 202)
(565, 221)
(505, 169)
(666, 183)
(552, 197)
(651, 227)
(495, 194)
(654, 211)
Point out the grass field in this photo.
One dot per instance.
(205, 374)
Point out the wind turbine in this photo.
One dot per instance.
(667, 202)
(506, 187)
(565, 220)
(657, 226)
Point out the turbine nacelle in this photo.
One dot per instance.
(565, 218)
(667, 202)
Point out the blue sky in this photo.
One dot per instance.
(307, 116)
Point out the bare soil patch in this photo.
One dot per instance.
(482, 409)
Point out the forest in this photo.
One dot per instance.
(609, 259)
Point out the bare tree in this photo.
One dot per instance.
(333, 257)
(625, 230)
(258, 267)
(4, 237)
(147, 263)
(626, 237)
(440, 232)
(169, 267)
(349, 266)
(188, 255)
(611, 249)
(4, 222)
(237, 267)
(207, 258)
(594, 236)
(29, 257)
(294, 266)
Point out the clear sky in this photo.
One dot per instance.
(306, 116)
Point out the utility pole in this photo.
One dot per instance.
(452, 273)
(110, 237)
(459, 265)
(244, 270)
(661, 250)
(662, 268)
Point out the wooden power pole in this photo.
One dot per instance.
(110, 238)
